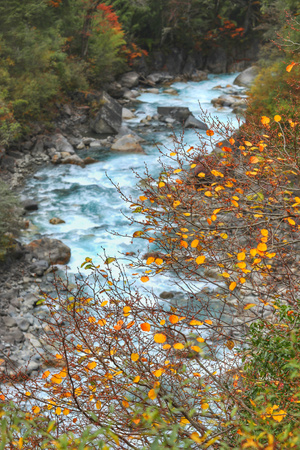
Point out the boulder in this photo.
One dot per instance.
(192, 122)
(131, 94)
(108, 120)
(89, 160)
(56, 221)
(198, 75)
(247, 77)
(127, 114)
(73, 159)
(30, 205)
(61, 144)
(115, 89)
(127, 143)
(124, 130)
(176, 112)
(51, 250)
(130, 79)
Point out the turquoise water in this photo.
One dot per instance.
(87, 201)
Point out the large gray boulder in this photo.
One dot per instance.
(192, 122)
(176, 112)
(127, 143)
(108, 120)
(51, 250)
(130, 79)
(61, 144)
(247, 77)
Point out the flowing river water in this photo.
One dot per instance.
(86, 199)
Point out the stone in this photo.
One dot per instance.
(127, 143)
(80, 146)
(108, 120)
(24, 325)
(96, 144)
(115, 89)
(177, 112)
(192, 122)
(32, 366)
(166, 295)
(130, 79)
(39, 267)
(127, 114)
(51, 250)
(10, 322)
(198, 75)
(124, 130)
(152, 91)
(56, 158)
(247, 77)
(89, 160)
(56, 221)
(14, 337)
(73, 159)
(62, 144)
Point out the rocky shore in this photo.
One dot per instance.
(94, 120)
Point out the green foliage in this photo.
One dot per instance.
(9, 214)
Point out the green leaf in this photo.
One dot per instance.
(109, 260)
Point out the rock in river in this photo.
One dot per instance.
(51, 250)
(127, 143)
(109, 117)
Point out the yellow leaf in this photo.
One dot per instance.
(242, 280)
(135, 356)
(262, 247)
(101, 322)
(208, 194)
(56, 379)
(125, 403)
(205, 406)
(225, 275)
(242, 265)
(265, 120)
(166, 346)
(126, 309)
(157, 373)
(195, 243)
(264, 232)
(209, 322)
(230, 345)
(177, 171)
(58, 356)
(173, 154)
(195, 322)
(160, 338)
(152, 394)
(248, 144)
(253, 252)
(232, 286)
(136, 379)
(277, 118)
(58, 411)
(291, 221)
(104, 303)
(20, 443)
(279, 415)
(196, 349)
(66, 411)
(249, 305)
(196, 438)
(161, 184)
(216, 173)
(92, 365)
(159, 261)
(162, 322)
(234, 203)
(200, 259)
(201, 175)
(176, 203)
(200, 339)
(193, 165)
(178, 346)
(143, 198)
(28, 394)
(223, 235)
(150, 260)
(46, 374)
(36, 409)
(98, 404)
(241, 256)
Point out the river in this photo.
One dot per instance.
(85, 198)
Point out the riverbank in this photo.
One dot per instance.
(29, 274)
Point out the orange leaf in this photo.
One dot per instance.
(253, 160)
(150, 260)
(92, 365)
(277, 118)
(210, 132)
(184, 244)
(249, 305)
(262, 247)
(119, 324)
(290, 66)
(134, 357)
(195, 243)
(200, 259)
(152, 394)
(159, 261)
(143, 198)
(195, 322)
(265, 120)
(232, 286)
(144, 279)
(160, 338)
(241, 256)
(136, 379)
(178, 346)
(145, 326)
(209, 322)
(173, 319)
